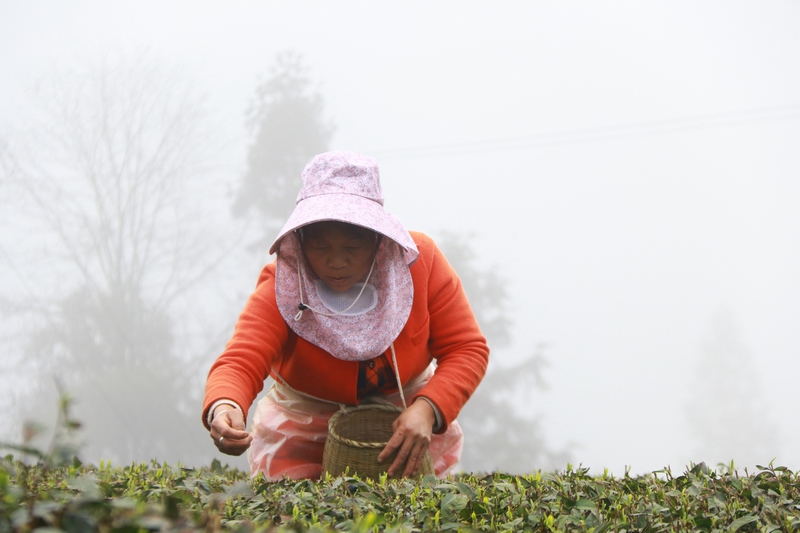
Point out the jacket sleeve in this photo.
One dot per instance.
(258, 339)
(455, 341)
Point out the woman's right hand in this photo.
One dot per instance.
(228, 431)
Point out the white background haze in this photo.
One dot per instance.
(632, 169)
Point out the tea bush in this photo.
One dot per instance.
(159, 497)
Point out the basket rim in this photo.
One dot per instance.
(364, 407)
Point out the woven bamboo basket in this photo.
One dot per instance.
(356, 435)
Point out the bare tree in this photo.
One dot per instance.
(287, 128)
(502, 433)
(107, 187)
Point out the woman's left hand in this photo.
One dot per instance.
(411, 439)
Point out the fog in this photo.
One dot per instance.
(631, 168)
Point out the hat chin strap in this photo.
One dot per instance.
(302, 306)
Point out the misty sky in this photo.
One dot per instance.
(632, 168)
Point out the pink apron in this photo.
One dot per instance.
(289, 431)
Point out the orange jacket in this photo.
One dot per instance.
(441, 326)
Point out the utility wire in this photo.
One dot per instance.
(586, 135)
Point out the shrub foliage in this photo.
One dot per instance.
(160, 497)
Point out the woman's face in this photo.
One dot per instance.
(340, 254)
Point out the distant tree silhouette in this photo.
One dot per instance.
(724, 410)
(287, 128)
(500, 435)
(104, 181)
(486, 289)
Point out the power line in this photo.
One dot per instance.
(586, 135)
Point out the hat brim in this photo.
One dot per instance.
(351, 209)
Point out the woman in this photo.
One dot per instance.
(353, 305)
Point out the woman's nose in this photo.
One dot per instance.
(337, 260)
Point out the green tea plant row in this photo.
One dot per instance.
(160, 497)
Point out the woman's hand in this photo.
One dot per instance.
(228, 430)
(411, 439)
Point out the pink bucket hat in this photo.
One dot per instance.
(345, 186)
